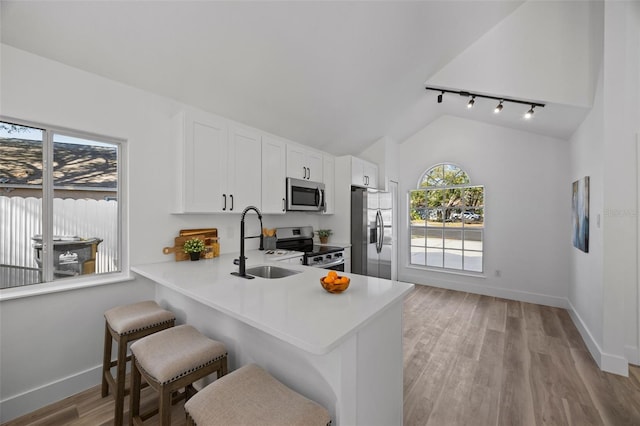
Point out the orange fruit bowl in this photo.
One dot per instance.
(337, 285)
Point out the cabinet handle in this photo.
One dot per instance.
(364, 180)
(309, 170)
(225, 202)
(231, 195)
(304, 172)
(284, 205)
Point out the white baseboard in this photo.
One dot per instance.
(31, 400)
(607, 362)
(633, 354)
(522, 296)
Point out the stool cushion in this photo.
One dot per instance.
(251, 396)
(136, 316)
(175, 352)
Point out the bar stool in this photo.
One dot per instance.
(169, 360)
(251, 396)
(125, 324)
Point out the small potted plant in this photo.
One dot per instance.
(194, 248)
(324, 234)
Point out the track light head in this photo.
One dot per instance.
(498, 108)
(440, 97)
(529, 113)
(471, 102)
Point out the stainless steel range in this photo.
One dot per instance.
(301, 239)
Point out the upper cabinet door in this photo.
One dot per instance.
(274, 165)
(315, 164)
(296, 162)
(245, 165)
(363, 173)
(204, 165)
(371, 174)
(328, 173)
(304, 163)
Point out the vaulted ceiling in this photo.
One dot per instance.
(333, 75)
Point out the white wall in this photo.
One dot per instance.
(586, 274)
(620, 79)
(528, 204)
(58, 337)
(540, 51)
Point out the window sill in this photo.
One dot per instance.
(63, 285)
(448, 271)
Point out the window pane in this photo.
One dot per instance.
(418, 256)
(20, 204)
(417, 206)
(434, 237)
(85, 207)
(434, 198)
(453, 259)
(453, 239)
(434, 257)
(473, 240)
(473, 261)
(418, 235)
(454, 218)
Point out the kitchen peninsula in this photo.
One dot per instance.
(342, 350)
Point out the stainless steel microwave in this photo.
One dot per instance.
(304, 195)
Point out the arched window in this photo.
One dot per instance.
(446, 216)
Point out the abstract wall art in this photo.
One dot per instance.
(580, 214)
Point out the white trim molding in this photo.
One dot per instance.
(607, 362)
(23, 403)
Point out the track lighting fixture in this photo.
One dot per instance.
(498, 107)
(529, 113)
(471, 102)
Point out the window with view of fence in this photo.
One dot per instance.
(21, 229)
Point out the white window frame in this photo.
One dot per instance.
(444, 269)
(49, 285)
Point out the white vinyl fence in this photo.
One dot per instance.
(20, 221)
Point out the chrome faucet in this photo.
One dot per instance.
(241, 262)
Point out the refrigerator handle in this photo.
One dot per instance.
(380, 234)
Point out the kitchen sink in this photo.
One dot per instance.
(271, 272)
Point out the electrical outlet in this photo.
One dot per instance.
(498, 273)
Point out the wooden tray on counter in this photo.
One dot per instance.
(208, 235)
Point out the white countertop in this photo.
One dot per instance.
(295, 309)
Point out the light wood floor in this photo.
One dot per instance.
(468, 360)
(478, 360)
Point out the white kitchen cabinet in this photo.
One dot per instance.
(363, 173)
(303, 163)
(244, 153)
(274, 163)
(328, 178)
(219, 165)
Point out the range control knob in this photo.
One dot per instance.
(317, 259)
(338, 255)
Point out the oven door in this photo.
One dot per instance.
(337, 265)
(304, 195)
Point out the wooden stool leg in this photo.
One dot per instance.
(134, 392)
(165, 405)
(106, 360)
(120, 380)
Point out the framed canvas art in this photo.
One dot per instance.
(580, 214)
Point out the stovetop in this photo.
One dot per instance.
(301, 239)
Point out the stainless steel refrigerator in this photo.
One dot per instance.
(371, 232)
